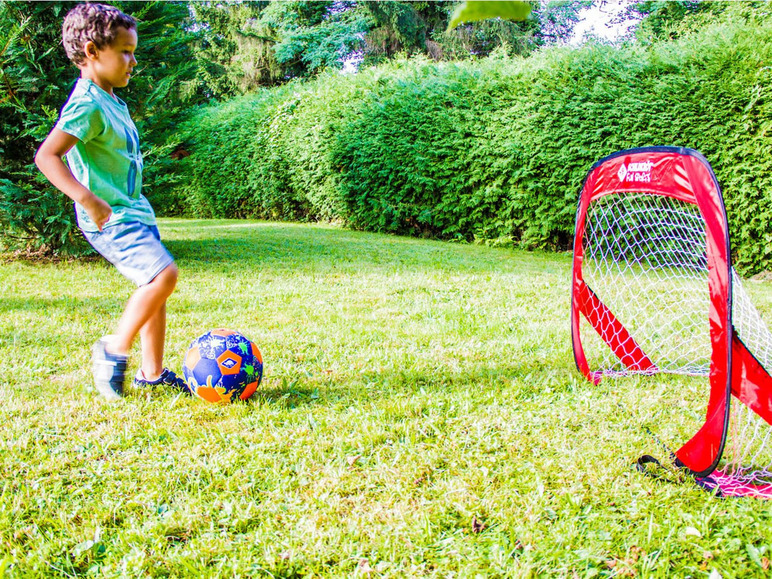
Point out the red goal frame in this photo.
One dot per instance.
(686, 175)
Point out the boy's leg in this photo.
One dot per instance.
(146, 301)
(136, 251)
(152, 336)
(152, 371)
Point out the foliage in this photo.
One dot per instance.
(259, 44)
(39, 218)
(669, 19)
(398, 27)
(229, 183)
(37, 77)
(164, 88)
(217, 44)
(549, 23)
(314, 35)
(246, 46)
(557, 19)
(498, 149)
(474, 11)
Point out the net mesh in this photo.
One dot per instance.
(748, 455)
(644, 258)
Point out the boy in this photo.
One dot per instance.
(103, 175)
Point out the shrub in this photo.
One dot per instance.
(39, 219)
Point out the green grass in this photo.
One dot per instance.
(420, 415)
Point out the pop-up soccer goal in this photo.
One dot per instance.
(654, 292)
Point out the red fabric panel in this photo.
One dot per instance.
(662, 173)
(578, 281)
(701, 453)
(613, 332)
(750, 382)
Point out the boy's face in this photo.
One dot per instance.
(111, 66)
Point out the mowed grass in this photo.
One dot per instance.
(420, 415)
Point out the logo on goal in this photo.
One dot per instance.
(638, 172)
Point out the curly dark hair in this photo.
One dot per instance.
(95, 22)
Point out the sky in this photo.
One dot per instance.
(595, 21)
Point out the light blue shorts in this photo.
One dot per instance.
(135, 249)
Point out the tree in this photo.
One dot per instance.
(669, 19)
(546, 23)
(313, 36)
(218, 46)
(256, 44)
(247, 45)
(36, 78)
(434, 28)
(558, 18)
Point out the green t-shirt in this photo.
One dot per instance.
(106, 159)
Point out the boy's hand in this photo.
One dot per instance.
(98, 210)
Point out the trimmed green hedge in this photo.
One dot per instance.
(495, 149)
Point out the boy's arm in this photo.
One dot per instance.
(49, 161)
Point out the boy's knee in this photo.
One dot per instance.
(168, 277)
(172, 270)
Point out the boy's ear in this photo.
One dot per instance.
(90, 50)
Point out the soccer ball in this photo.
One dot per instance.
(222, 365)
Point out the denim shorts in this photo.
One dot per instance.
(135, 249)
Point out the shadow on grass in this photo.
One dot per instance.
(233, 249)
(243, 245)
(85, 307)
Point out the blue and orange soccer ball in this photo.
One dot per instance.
(223, 365)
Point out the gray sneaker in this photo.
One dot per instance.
(109, 370)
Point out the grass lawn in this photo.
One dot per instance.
(420, 415)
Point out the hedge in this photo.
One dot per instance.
(495, 149)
